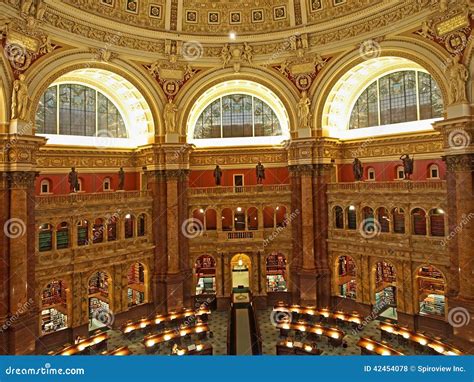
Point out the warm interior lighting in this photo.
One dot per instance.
(232, 35)
(369, 347)
(199, 347)
(167, 337)
(150, 343)
(386, 352)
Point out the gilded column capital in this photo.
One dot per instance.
(302, 169)
(20, 179)
(464, 162)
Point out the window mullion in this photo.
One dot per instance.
(417, 90)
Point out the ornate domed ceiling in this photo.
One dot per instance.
(221, 16)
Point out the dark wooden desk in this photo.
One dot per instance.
(353, 318)
(289, 347)
(124, 350)
(372, 347)
(169, 318)
(197, 349)
(96, 343)
(432, 345)
(335, 335)
(150, 342)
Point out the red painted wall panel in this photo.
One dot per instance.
(90, 182)
(386, 171)
(205, 178)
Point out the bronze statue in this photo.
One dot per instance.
(260, 170)
(357, 169)
(407, 165)
(121, 175)
(218, 175)
(73, 178)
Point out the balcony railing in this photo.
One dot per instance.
(218, 190)
(96, 197)
(396, 186)
(240, 235)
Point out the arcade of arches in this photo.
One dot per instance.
(302, 159)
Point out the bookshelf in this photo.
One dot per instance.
(385, 274)
(62, 238)
(276, 273)
(45, 240)
(52, 320)
(431, 290)
(206, 275)
(346, 280)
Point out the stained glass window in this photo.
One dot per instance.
(398, 97)
(237, 115)
(81, 110)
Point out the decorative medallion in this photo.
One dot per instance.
(131, 6)
(235, 17)
(257, 16)
(315, 5)
(213, 17)
(279, 13)
(109, 3)
(191, 17)
(155, 11)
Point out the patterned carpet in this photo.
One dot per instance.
(218, 323)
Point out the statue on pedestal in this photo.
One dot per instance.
(457, 76)
(407, 165)
(20, 98)
(218, 175)
(303, 111)
(121, 175)
(260, 170)
(170, 112)
(73, 179)
(357, 169)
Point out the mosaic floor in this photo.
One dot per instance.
(270, 335)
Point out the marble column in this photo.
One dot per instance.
(321, 178)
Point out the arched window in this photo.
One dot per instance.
(398, 215)
(62, 236)
(227, 222)
(129, 226)
(45, 237)
(268, 217)
(83, 232)
(106, 184)
(351, 217)
(239, 219)
(80, 183)
(198, 219)
(237, 115)
(437, 222)
(211, 219)
(45, 186)
(338, 218)
(398, 97)
(383, 218)
(371, 174)
(82, 111)
(252, 218)
(112, 228)
(280, 216)
(206, 275)
(400, 173)
(141, 229)
(433, 171)
(419, 221)
(98, 231)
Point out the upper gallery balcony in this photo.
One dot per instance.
(228, 194)
(47, 202)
